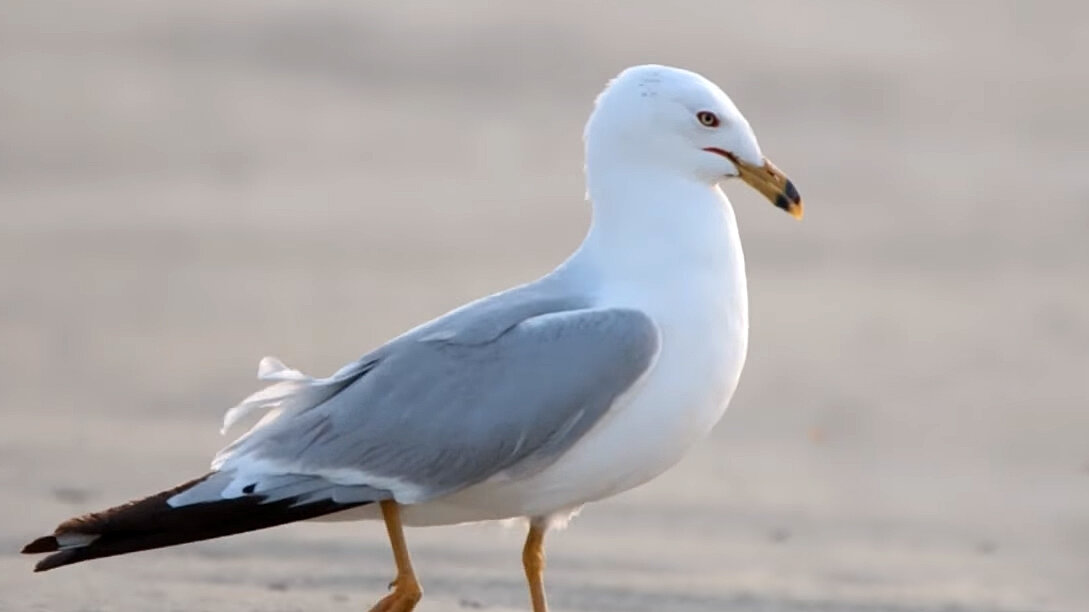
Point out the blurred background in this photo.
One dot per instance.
(187, 186)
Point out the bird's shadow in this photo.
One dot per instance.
(350, 574)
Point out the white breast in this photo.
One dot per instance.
(674, 406)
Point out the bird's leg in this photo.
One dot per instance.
(406, 589)
(533, 560)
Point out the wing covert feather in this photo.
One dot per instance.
(429, 417)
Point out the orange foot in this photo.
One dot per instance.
(406, 594)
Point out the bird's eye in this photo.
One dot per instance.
(707, 118)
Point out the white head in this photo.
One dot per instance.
(674, 120)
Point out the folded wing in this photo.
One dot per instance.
(436, 411)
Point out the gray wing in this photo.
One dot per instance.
(438, 410)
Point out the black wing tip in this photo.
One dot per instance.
(152, 522)
(64, 557)
(49, 544)
(43, 544)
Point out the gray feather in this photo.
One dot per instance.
(272, 488)
(505, 384)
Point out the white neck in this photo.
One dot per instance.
(658, 232)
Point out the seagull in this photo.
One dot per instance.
(528, 403)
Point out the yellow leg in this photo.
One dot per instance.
(406, 589)
(533, 560)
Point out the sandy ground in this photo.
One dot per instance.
(187, 186)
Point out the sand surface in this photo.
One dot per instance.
(187, 186)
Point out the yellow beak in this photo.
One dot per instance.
(775, 186)
(770, 181)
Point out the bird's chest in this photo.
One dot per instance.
(704, 336)
(703, 342)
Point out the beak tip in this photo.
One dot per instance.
(772, 183)
(793, 207)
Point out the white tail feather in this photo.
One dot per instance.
(292, 390)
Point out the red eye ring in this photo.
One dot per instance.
(707, 119)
